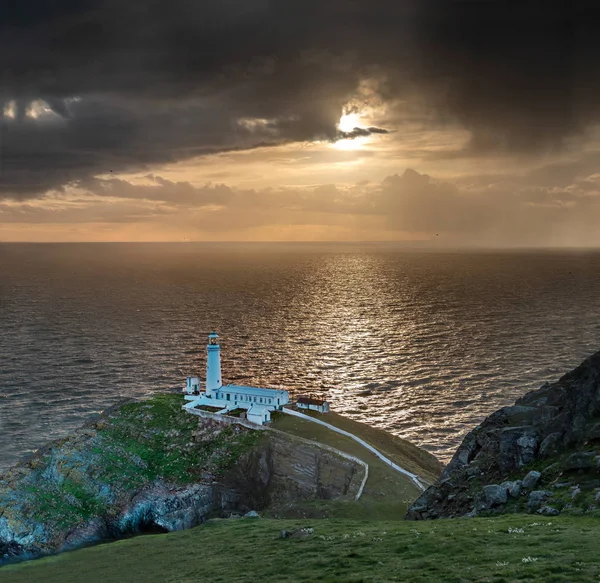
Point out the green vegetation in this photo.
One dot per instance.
(153, 439)
(400, 451)
(131, 446)
(505, 549)
(66, 504)
(387, 493)
(578, 490)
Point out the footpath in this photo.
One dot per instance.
(416, 479)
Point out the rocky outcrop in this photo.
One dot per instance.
(150, 467)
(560, 421)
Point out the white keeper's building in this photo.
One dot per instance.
(258, 402)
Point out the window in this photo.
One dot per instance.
(228, 396)
(260, 400)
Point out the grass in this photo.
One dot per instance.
(506, 549)
(153, 439)
(66, 505)
(387, 493)
(400, 451)
(128, 448)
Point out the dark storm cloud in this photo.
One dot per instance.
(361, 132)
(160, 81)
(521, 75)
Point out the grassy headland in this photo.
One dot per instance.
(387, 493)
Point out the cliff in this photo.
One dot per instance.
(150, 467)
(540, 455)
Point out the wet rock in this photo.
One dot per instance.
(495, 494)
(531, 480)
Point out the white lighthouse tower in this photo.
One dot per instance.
(213, 365)
(219, 399)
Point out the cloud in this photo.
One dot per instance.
(359, 132)
(509, 212)
(521, 75)
(129, 85)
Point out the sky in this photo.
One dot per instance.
(437, 122)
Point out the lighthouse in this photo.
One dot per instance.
(219, 399)
(213, 365)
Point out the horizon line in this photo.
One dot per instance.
(408, 244)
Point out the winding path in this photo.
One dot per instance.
(220, 417)
(416, 479)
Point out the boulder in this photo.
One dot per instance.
(578, 427)
(550, 445)
(252, 514)
(495, 494)
(527, 446)
(580, 461)
(593, 432)
(531, 479)
(516, 447)
(515, 489)
(535, 499)
(548, 511)
(560, 415)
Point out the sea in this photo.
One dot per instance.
(423, 344)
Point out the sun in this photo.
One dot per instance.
(348, 122)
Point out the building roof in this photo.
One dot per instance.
(273, 393)
(258, 409)
(304, 400)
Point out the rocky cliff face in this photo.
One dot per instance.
(150, 467)
(539, 455)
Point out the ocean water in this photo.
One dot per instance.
(422, 344)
